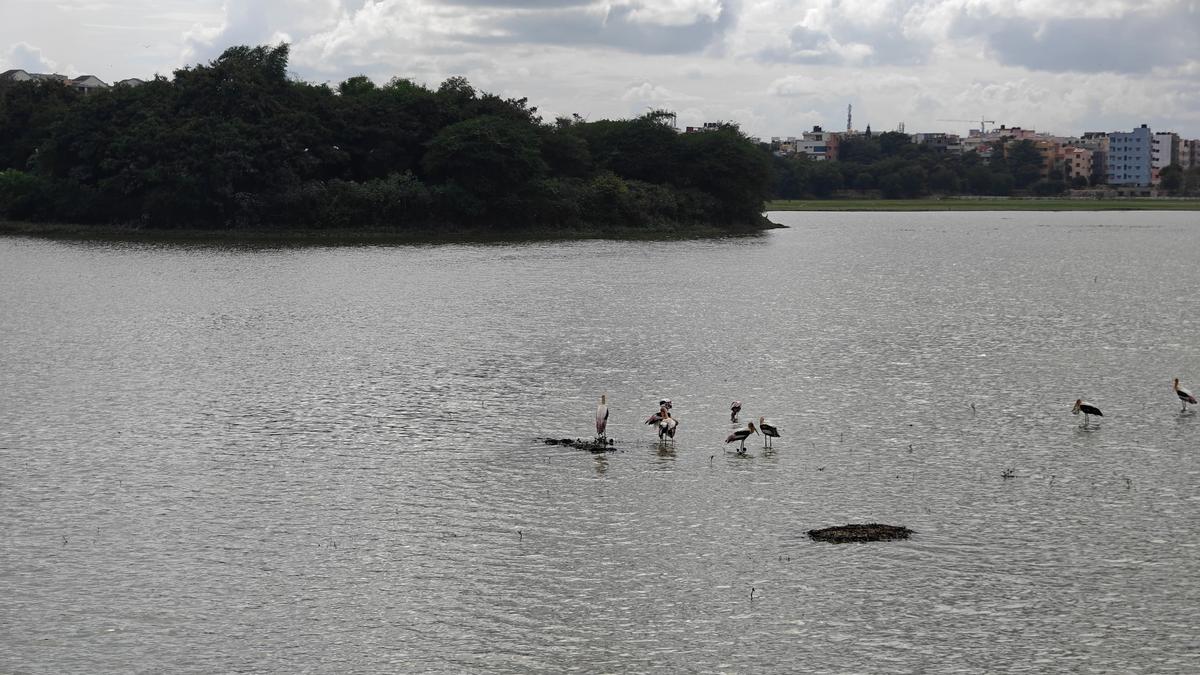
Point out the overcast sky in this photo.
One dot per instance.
(775, 67)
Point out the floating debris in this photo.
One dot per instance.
(842, 534)
(591, 445)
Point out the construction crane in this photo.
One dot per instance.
(982, 123)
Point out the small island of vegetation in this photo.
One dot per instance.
(238, 146)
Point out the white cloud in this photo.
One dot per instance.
(776, 67)
(29, 58)
(672, 12)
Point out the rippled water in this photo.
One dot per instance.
(324, 459)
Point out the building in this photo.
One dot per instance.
(18, 75)
(940, 142)
(86, 84)
(1076, 162)
(1129, 157)
(1164, 150)
(1189, 153)
(818, 144)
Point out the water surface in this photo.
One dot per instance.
(324, 459)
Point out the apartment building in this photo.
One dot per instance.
(1130, 157)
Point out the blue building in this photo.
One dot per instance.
(1129, 157)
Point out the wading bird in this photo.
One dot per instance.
(1082, 406)
(657, 417)
(769, 431)
(601, 417)
(667, 426)
(1184, 395)
(740, 435)
(734, 409)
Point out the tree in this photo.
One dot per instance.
(490, 157)
(1024, 163)
(1171, 178)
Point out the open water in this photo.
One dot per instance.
(325, 459)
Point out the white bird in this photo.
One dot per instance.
(740, 435)
(1082, 406)
(734, 409)
(602, 416)
(1184, 395)
(769, 431)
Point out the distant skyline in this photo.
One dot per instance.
(774, 67)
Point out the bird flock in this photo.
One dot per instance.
(667, 425)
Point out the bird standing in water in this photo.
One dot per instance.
(740, 435)
(667, 426)
(1082, 406)
(1184, 395)
(602, 417)
(769, 431)
(734, 409)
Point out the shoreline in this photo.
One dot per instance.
(985, 204)
(364, 236)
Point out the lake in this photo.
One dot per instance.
(326, 459)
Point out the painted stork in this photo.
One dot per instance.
(667, 426)
(1184, 395)
(734, 409)
(665, 403)
(657, 417)
(769, 431)
(601, 416)
(740, 435)
(1082, 406)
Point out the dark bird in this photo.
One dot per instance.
(769, 431)
(1184, 395)
(1082, 406)
(602, 416)
(734, 409)
(740, 435)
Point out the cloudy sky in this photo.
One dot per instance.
(776, 67)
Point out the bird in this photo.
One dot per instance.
(664, 403)
(734, 409)
(1082, 406)
(601, 416)
(769, 431)
(667, 426)
(1184, 395)
(740, 435)
(657, 417)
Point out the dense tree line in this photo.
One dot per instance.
(237, 143)
(891, 165)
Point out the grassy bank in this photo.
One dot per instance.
(365, 236)
(994, 204)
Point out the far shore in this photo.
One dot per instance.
(985, 204)
(364, 236)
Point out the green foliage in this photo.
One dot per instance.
(1171, 178)
(21, 195)
(236, 143)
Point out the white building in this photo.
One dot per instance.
(1164, 150)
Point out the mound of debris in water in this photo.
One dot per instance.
(842, 534)
(591, 445)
